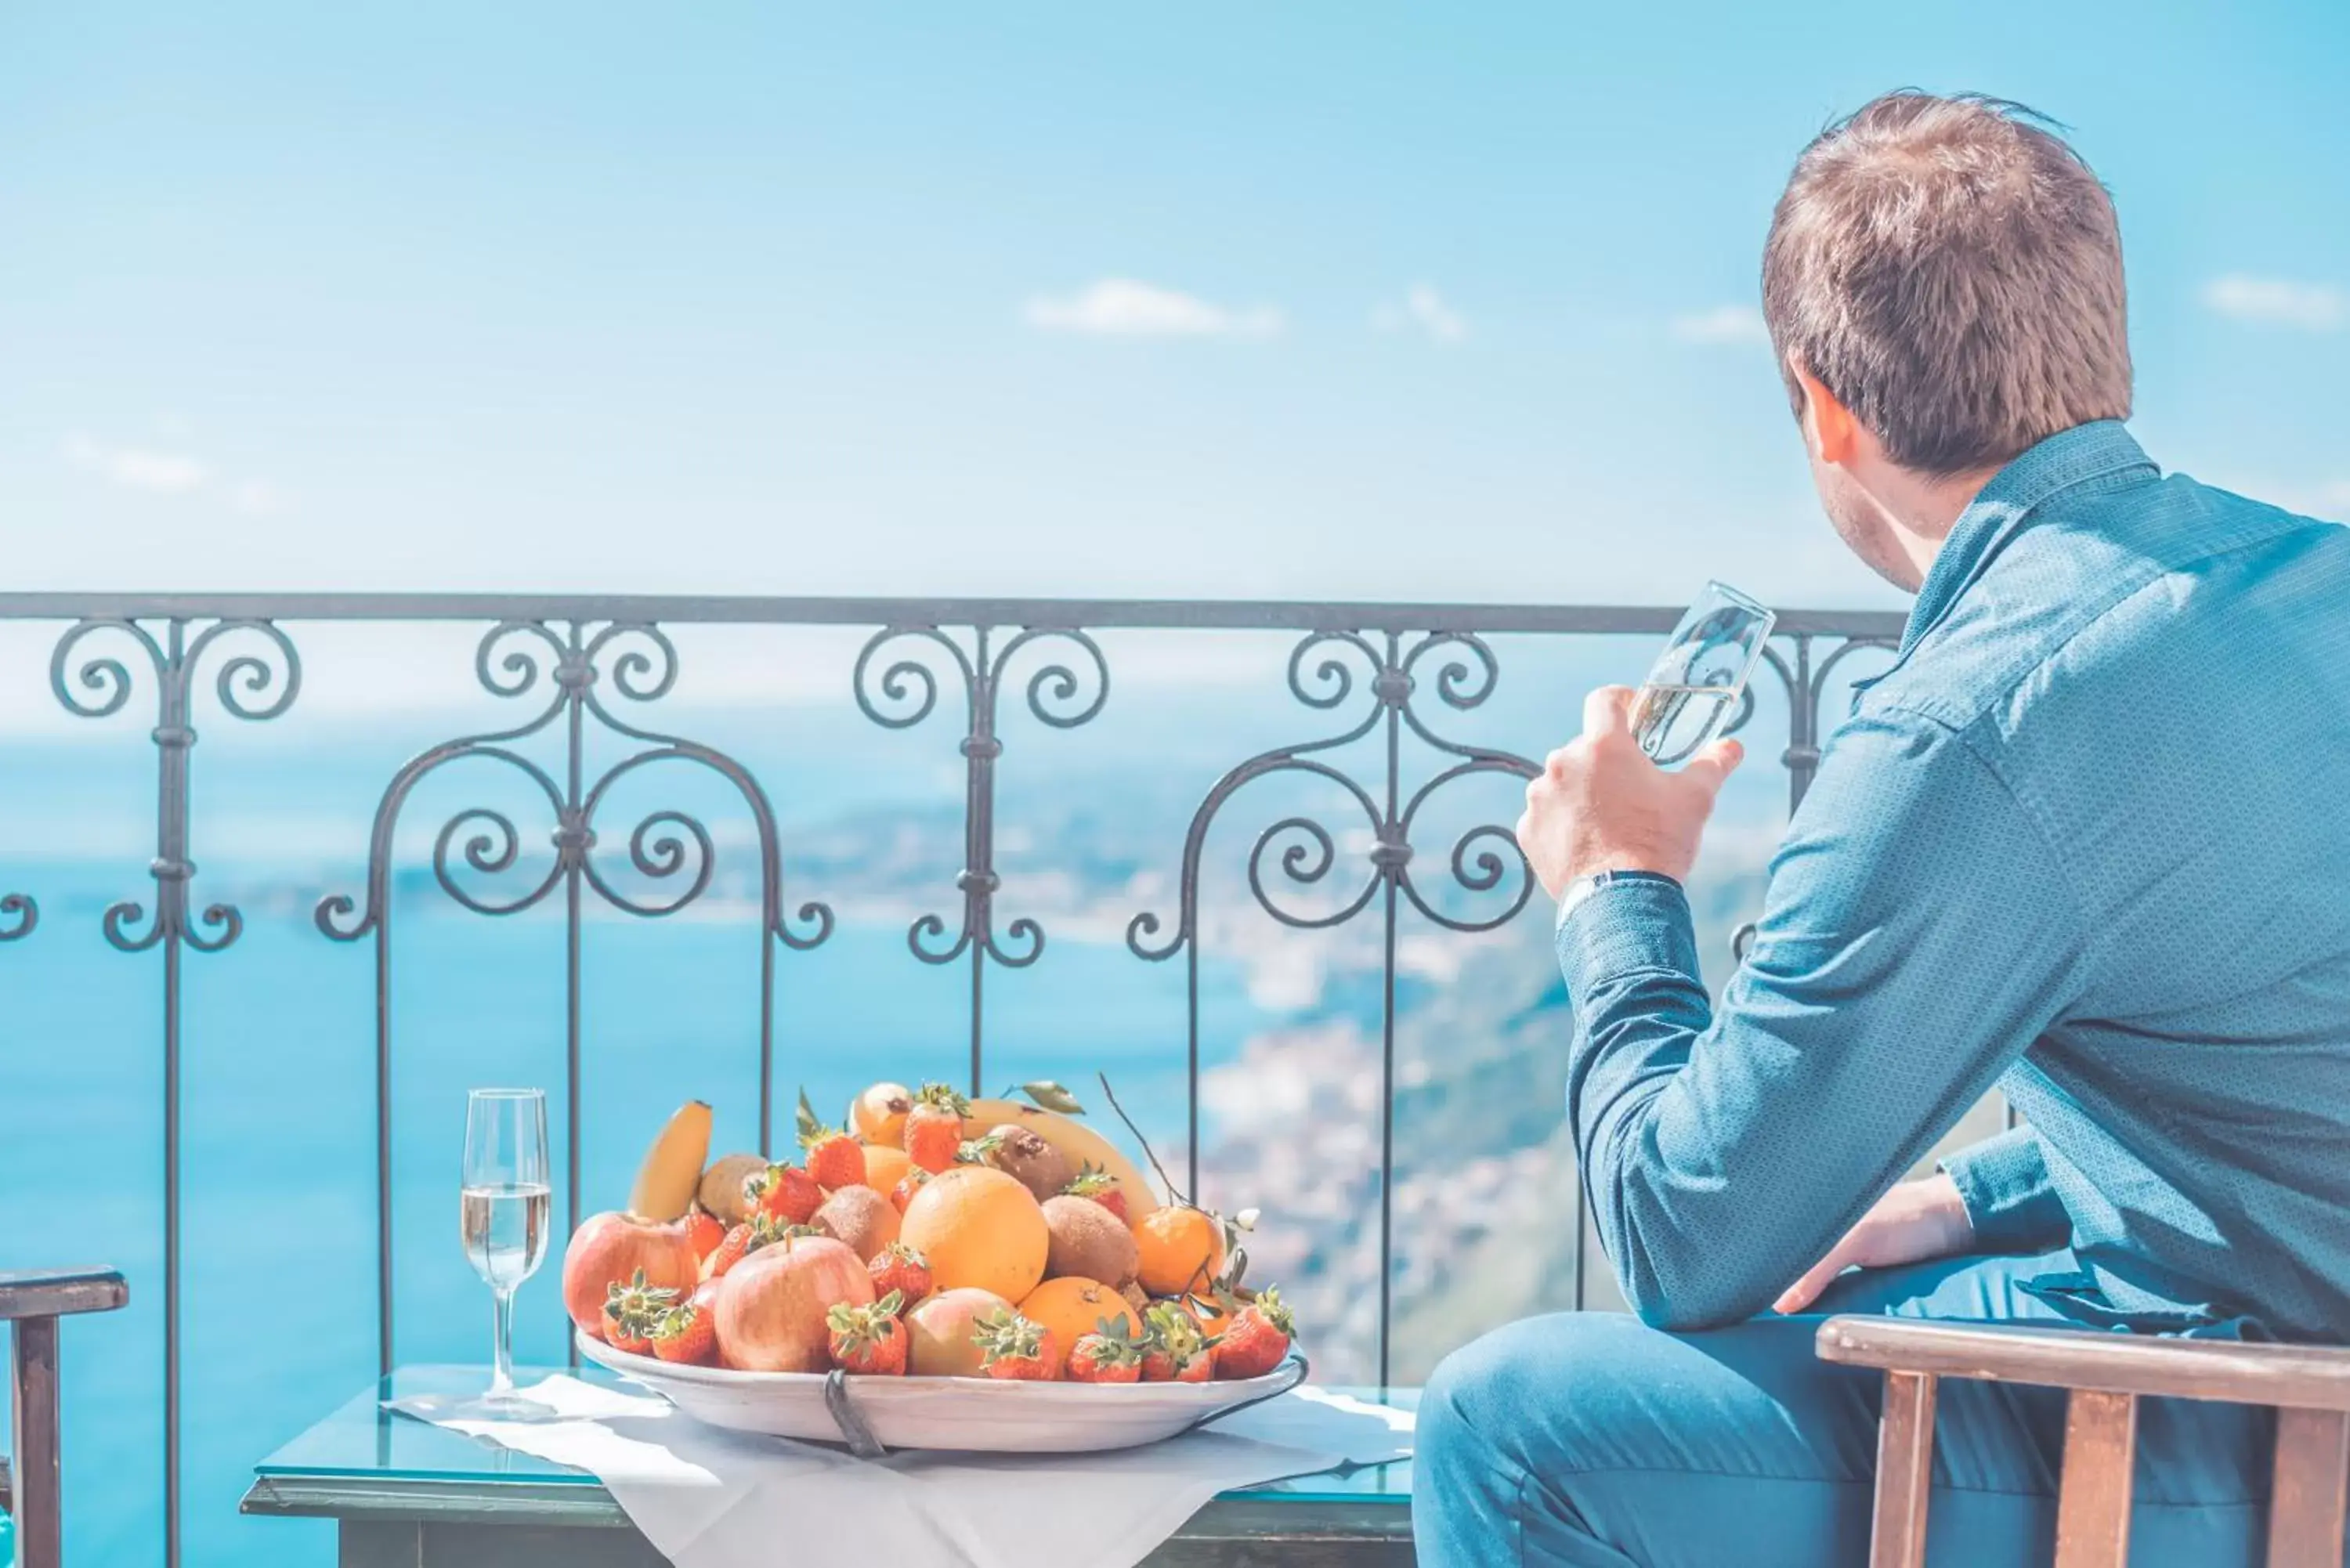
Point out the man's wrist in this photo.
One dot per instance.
(1583, 885)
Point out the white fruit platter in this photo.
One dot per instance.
(973, 1415)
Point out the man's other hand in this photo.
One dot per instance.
(1600, 804)
(1913, 1222)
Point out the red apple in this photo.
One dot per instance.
(941, 1325)
(609, 1249)
(772, 1304)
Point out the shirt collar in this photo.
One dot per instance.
(2003, 507)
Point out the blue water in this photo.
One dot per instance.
(277, 1186)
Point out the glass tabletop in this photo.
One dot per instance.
(363, 1440)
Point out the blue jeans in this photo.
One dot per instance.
(1589, 1440)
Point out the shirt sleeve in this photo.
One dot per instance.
(1918, 936)
(2010, 1200)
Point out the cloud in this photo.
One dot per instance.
(1121, 307)
(135, 468)
(2279, 301)
(161, 473)
(1722, 323)
(1423, 308)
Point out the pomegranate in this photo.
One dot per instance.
(608, 1250)
(772, 1305)
(941, 1325)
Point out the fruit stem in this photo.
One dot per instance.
(1148, 1153)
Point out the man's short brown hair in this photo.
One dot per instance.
(1952, 272)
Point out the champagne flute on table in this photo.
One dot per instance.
(1692, 690)
(503, 1210)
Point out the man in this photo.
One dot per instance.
(2086, 841)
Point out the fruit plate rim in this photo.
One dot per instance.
(1221, 1394)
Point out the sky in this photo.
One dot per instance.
(1324, 301)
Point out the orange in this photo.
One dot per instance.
(1181, 1249)
(885, 1166)
(1073, 1307)
(879, 1115)
(981, 1229)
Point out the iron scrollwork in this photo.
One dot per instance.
(673, 849)
(904, 690)
(257, 685)
(1324, 670)
(511, 661)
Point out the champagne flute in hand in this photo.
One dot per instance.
(504, 1207)
(1692, 690)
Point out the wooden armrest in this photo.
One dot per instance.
(2294, 1377)
(60, 1292)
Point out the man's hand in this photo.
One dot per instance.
(1600, 804)
(1915, 1221)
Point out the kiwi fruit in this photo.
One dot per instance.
(860, 1218)
(721, 1190)
(1029, 1159)
(1088, 1241)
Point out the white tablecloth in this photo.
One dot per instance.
(707, 1497)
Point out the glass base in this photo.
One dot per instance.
(511, 1407)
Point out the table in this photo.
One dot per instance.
(405, 1492)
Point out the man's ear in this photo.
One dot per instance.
(1829, 429)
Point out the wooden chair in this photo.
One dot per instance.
(32, 1303)
(2106, 1374)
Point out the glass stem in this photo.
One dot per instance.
(502, 1344)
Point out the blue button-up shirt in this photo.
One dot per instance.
(2088, 841)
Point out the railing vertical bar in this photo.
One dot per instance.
(1191, 1059)
(572, 852)
(171, 1250)
(767, 1023)
(170, 897)
(383, 1140)
(1803, 726)
(1582, 1226)
(1390, 869)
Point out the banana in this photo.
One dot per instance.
(1079, 1143)
(673, 1166)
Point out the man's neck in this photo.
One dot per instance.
(1920, 509)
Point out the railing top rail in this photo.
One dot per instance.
(1261, 614)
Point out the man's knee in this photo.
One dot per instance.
(1532, 1395)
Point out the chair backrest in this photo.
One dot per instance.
(2106, 1375)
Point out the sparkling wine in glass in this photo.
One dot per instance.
(1694, 689)
(503, 1208)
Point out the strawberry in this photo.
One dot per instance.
(1174, 1349)
(687, 1334)
(1092, 1181)
(907, 1185)
(785, 1193)
(901, 1271)
(978, 1150)
(1108, 1355)
(703, 1232)
(869, 1339)
(1255, 1338)
(1015, 1348)
(834, 1157)
(630, 1311)
(934, 1126)
(740, 1243)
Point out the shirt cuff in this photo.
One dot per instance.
(1635, 920)
(2010, 1200)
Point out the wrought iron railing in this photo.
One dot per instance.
(1370, 669)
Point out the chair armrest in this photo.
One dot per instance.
(2308, 1377)
(60, 1292)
